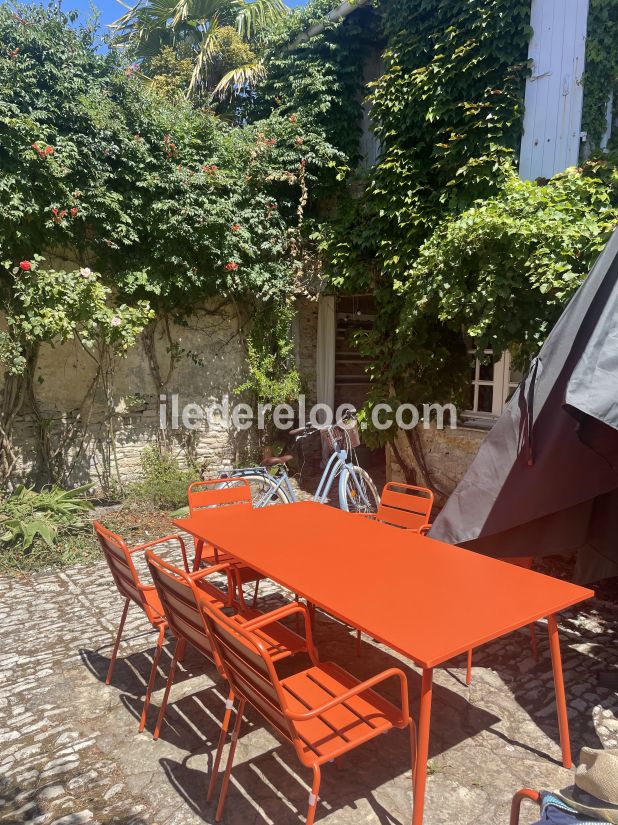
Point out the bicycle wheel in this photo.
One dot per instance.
(358, 493)
(264, 490)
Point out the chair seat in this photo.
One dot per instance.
(280, 640)
(345, 726)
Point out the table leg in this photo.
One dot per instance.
(199, 547)
(563, 719)
(422, 753)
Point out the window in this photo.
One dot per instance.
(491, 386)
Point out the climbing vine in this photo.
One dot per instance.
(459, 253)
(169, 205)
(601, 73)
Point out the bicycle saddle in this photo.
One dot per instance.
(276, 459)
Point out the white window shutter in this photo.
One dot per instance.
(554, 93)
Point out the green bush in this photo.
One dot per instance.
(164, 484)
(33, 523)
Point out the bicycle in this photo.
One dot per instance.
(357, 492)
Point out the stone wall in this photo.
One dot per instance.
(448, 454)
(127, 406)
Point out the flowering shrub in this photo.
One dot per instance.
(149, 192)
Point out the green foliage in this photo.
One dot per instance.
(320, 80)
(601, 74)
(167, 202)
(217, 35)
(273, 377)
(47, 306)
(164, 484)
(458, 251)
(27, 515)
(169, 73)
(503, 270)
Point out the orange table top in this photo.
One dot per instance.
(426, 599)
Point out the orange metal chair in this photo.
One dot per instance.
(209, 493)
(527, 562)
(525, 793)
(322, 711)
(120, 561)
(406, 506)
(178, 592)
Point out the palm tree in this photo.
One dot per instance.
(202, 29)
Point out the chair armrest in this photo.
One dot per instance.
(361, 688)
(525, 793)
(203, 573)
(164, 540)
(281, 613)
(425, 529)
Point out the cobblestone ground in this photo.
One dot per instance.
(70, 752)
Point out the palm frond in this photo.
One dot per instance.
(240, 77)
(206, 54)
(257, 15)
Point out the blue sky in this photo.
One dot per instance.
(111, 10)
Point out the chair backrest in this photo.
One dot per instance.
(248, 668)
(404, 505)
(179, 602)
(216, 491)
(122, 568)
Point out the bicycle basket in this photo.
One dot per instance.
(339, 435)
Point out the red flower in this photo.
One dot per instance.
(55, 210)
(25, 265)
(235, 227)
(63, 214)
(213, 168)
(13, 53)
(49, 150)
(231, 266)
(292, 118)
(73, 211)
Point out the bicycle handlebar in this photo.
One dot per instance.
(309, 429)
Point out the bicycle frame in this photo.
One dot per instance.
(337, 462)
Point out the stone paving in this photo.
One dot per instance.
(70, 752)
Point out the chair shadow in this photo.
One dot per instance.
(273, 786)
(192, 725)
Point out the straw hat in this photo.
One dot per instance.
(595, 792)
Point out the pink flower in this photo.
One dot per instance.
(231, 266)
(25, 265)
(235, 227)
(73, 211)
(298, 141)
(116, 321)
(85, 272)
(292, 118)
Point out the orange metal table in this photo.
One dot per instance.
(428, 600)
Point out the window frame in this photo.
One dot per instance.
(502, 385)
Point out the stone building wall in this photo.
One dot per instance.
(211, 366)
(448, 454)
